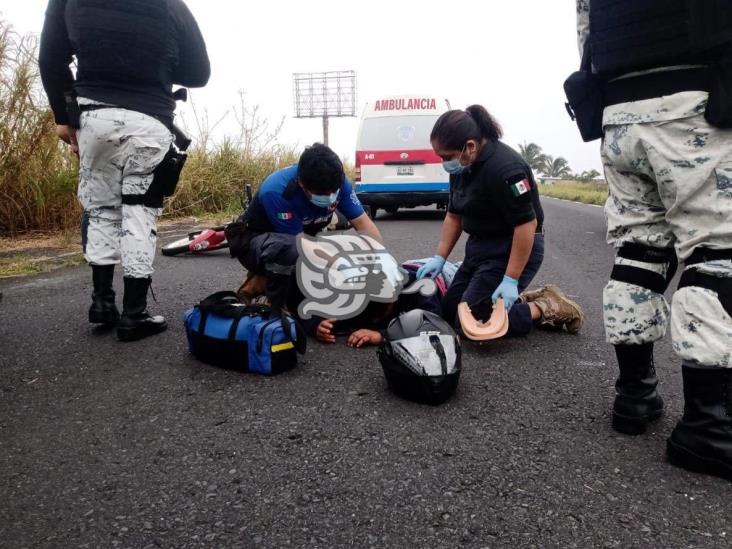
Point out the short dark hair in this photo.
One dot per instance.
(455, 128)
(320, 170)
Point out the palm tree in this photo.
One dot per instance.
(588, 175)
(555, 167)
(531, 153)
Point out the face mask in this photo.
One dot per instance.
(324, 200)
(454, 167)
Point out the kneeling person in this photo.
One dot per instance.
(298, 199)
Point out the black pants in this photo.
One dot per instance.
(482, 272)
(275, 256)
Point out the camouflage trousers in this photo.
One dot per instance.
(119, 150)
(670, 185)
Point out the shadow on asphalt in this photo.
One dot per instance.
(411, 215)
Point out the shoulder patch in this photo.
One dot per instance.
(285, 216)
(519, 183)
(520, 187)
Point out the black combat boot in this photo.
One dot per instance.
(702, 439)
(103, 310)
(136, 322)
(636, 401)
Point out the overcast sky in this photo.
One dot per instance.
(511, 56)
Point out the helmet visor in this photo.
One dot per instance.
(427, 355)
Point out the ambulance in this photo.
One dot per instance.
(395, 164)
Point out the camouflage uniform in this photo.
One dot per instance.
(670, 179)
(119, 149)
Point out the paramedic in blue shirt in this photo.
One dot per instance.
(298, 199)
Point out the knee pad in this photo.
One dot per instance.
(635, 311)
(701, 319)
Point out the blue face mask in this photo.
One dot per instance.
(324, 200)
(454, 167)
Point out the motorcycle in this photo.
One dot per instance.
(205, 240)
(211, 239)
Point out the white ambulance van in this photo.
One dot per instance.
(395, 164)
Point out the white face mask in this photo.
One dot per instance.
(324, 200)
(454, 167)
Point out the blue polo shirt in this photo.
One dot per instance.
(281, 206)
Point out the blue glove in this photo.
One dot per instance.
(432, 268)
(508, 290)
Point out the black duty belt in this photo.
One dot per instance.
(656, 84)
(704, 255)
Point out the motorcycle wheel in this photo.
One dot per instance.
(179, 246)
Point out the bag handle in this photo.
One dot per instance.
(218, 298)
(227, 304)
(300, 340)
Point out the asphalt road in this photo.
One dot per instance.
(137, 445)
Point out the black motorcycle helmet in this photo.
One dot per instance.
(421, 357)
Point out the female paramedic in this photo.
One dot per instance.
(493, 198)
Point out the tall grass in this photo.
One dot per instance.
(587, 193)
(216, 172)
(37, 175)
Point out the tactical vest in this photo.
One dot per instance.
(123, 43)
(630, 35)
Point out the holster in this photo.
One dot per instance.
(165, 180)
(719, 107)
(585, 99)
(72, 110)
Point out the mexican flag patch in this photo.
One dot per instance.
(285, 216)
(521, 187)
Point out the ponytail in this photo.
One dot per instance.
(489, 128)
(454, 128)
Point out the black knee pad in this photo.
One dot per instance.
(642, 277)
(722, 286)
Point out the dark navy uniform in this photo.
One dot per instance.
(494, 195)
(278, 213)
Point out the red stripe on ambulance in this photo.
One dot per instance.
(372, 158)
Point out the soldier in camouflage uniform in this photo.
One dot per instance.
(117, 114)
(669, 173)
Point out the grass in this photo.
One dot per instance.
(576, 191)
(37, 175)
(26, 265)
(213, 180)
(39, 252)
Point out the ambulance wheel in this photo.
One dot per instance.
(372, 210)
